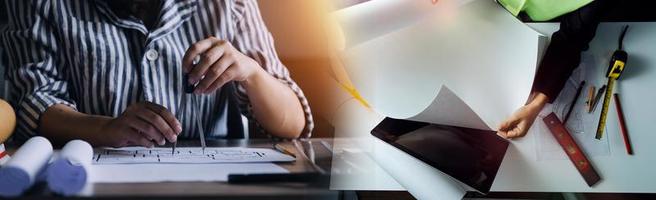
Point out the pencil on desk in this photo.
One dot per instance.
(625, 133)
(571, 105)
(591, 92)
(283, 150)
(597, 98)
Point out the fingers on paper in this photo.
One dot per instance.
(510, 128)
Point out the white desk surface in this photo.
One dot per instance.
(521, 170)
(620, 172)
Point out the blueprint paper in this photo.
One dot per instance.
(188, 155)
(153, 173)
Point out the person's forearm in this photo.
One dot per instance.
(538, 99)
(563, 54)
(275, 106)
(61, 123)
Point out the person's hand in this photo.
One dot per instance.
(142, 124)
(518, 123)
(219, 63)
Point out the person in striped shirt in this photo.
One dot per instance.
(110, 71)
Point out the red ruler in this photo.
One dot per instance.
(572, 150)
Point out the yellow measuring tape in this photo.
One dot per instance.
(615, 69)
(615, 72)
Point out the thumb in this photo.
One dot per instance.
(520, 130)
(504, 125)
(502, 134)
(509, 123)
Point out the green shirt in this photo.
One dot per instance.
(543, 10)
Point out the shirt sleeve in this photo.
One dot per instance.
(37, 81)
(563, 54)
(254, 39)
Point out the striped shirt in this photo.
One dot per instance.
(81, 54)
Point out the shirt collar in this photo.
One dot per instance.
(171, 15)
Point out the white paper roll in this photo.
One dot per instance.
(21, 171)
(69, 173)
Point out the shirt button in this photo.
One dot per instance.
(152, 55)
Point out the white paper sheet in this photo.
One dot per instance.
(447, 108)
(372, 19)
(468, 64)
(150, 173)
(419, 178)
(139, 155)
(485, 56)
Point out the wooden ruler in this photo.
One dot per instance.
(572, 150)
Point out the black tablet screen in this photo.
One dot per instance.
(471, 156)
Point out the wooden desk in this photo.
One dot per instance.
(217, 190)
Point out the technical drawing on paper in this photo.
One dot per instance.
(137, 155)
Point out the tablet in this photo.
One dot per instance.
(471, 156)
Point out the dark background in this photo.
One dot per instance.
(3, 21)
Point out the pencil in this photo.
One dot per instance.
(591, 93)
(597, 99)
(625, 133)
(283, 150)
(571, 105)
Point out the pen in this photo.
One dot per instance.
(597, 98)
(280, 177)
(173, 150)
(578, 93)
(625, 133)
(283, 150)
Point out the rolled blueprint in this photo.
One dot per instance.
(68, 174)
(22, 170)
